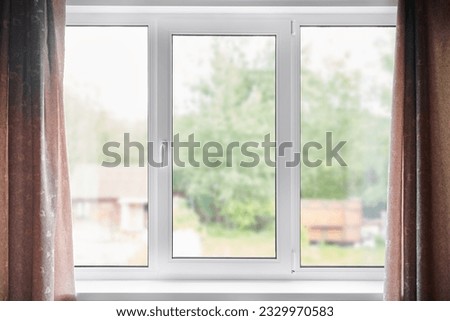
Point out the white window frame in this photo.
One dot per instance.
(285, 24)
(241, 268)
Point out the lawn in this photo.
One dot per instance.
(219, 242)
(334, 255)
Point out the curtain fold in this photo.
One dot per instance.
(418, 240)
(36, 260)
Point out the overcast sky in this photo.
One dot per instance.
(110, 63)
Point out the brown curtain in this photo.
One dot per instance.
(418, 247)
(35, 221)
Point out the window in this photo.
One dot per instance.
(345, 106)
(224, 96)
(202, 146)
(105, 102)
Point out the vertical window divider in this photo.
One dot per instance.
(296, 140)
(152, 133)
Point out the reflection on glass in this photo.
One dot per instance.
(346, 86)
(106, 97)
(224, 95)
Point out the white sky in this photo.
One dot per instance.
(358, 46)
(192, 61)
(110, 63)
(357, 49)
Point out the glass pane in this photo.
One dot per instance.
(105, 101)
(346, 84)
(224, 97)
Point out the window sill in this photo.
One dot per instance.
(222, 290)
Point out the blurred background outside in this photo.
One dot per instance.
(223, 91)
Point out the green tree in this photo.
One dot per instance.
(357, 115)
(237, 104)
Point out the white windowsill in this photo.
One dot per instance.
(224, 290)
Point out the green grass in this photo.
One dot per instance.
(221, 242)
(234, 243)
(334, 255)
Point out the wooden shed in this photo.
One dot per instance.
(332, 221)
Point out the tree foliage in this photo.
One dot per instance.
(237, 103)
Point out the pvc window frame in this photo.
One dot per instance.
(285, 24)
